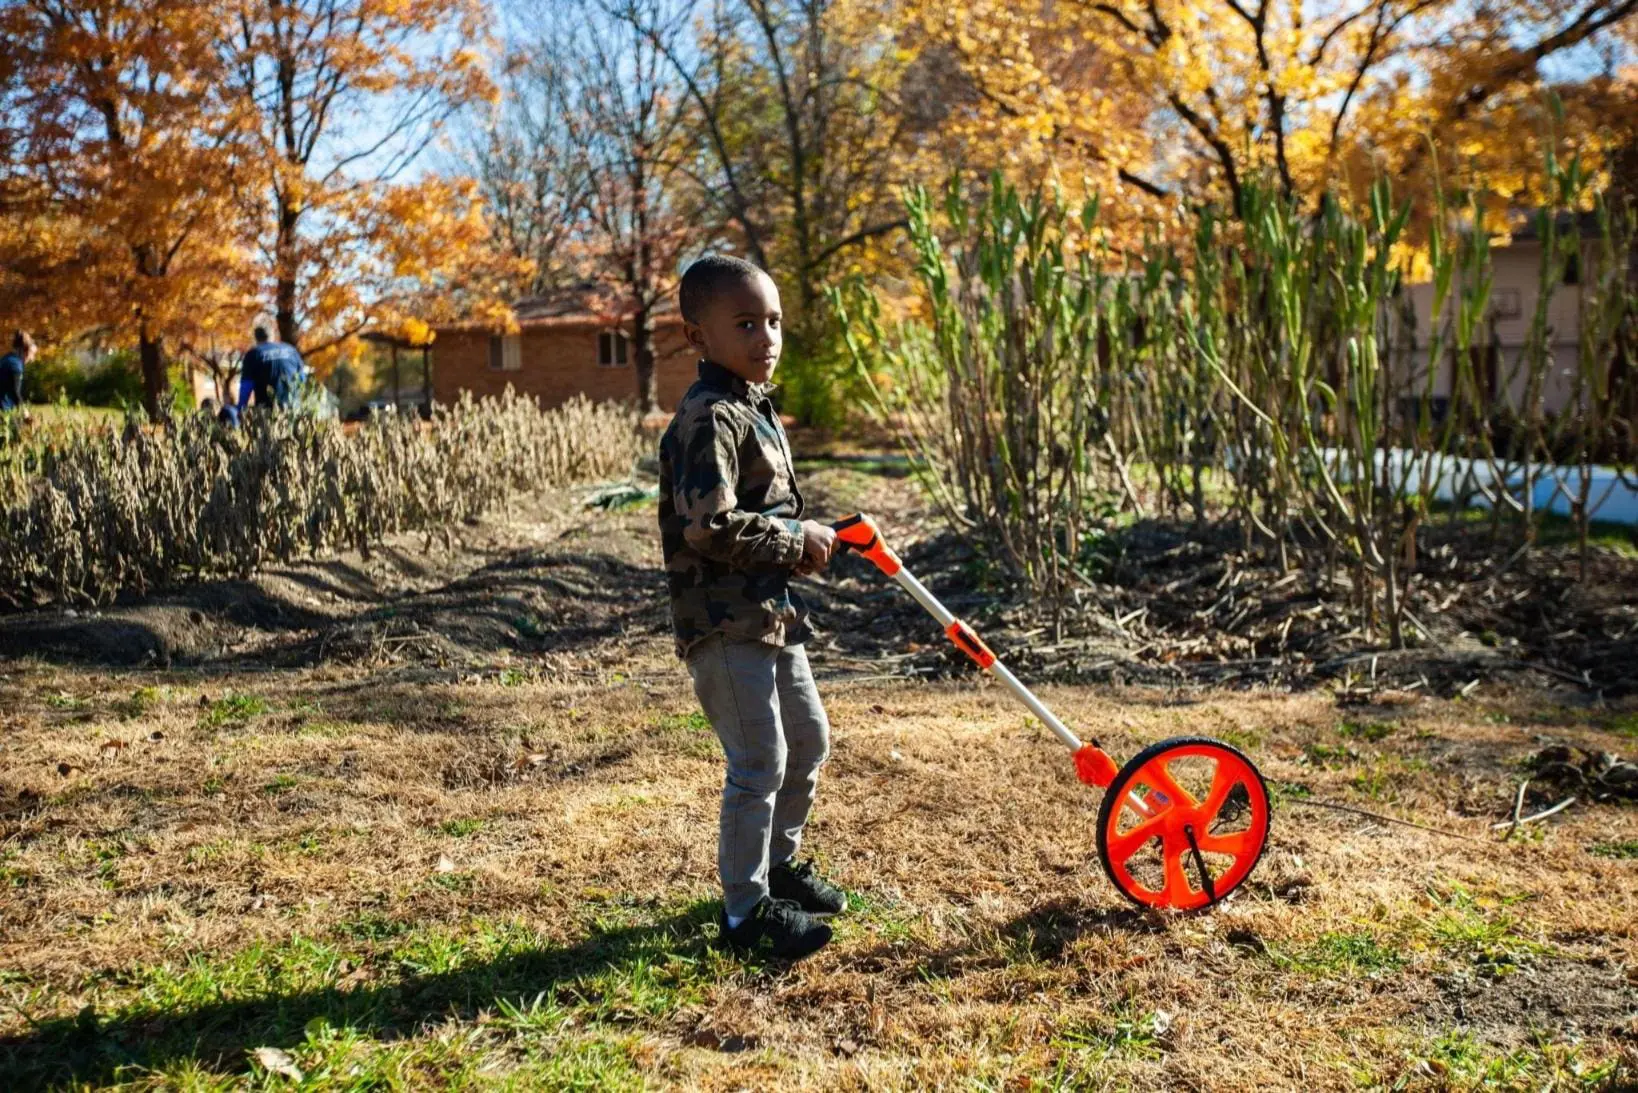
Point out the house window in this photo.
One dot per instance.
(1509, 304)
(611, 349)
(505, 353)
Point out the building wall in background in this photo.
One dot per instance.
(1516, 271)
(555, 363)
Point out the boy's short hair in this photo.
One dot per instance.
(21, 342)
(705, 277)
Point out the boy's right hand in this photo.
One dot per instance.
(818, 544)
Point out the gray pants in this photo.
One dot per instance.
(766, 711)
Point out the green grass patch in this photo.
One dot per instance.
(1328, 755)
(143, 700)
(349, 1008)
(1128, 1031)
(453, 882)
(1357, 952)
(1381, 779)
(1462, 1061)
(461, 828)
(693, 721)
(371, 926)
(1371, 732)
(886, 918)
(1244, 739)
(1467, 928)
(690, 733)
(1289, 791)
(1623, 849)
(234, 709)
(281, 783)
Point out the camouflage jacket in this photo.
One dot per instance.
(730, 515)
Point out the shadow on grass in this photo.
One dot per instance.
(95, 1049)
(1045, 933)
(1049, 930)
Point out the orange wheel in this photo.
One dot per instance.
(1183, 824)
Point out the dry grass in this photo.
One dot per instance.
(402, 858)
(87, 514)
(502, 876)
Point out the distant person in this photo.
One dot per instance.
(11, 371)
(272, 374)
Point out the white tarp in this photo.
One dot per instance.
(1455, 478)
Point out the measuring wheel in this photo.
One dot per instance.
(1183, 824)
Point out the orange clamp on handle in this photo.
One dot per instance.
(859, 532)
(970, 643)
(1094, 767)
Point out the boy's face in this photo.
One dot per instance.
(742, 329)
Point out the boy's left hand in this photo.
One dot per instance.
(818, 544)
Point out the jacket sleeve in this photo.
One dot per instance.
(707, 504)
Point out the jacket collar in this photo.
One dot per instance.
(715, 375)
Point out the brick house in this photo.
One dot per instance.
(569, 342)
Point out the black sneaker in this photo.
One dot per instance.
(793, 932)
(803, 887)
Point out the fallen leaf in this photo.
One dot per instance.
(65, 769)
(112, 747)
(444, 864)
(277, 1061)
(155, 737)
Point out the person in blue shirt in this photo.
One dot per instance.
(11, 371)
(272, 372)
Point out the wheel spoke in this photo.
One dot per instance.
(1222, 780)
(1176, 891)
(1160, 778)
(1236, 844)
(1122, 847)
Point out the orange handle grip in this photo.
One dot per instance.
(970, 643)
(859, 532)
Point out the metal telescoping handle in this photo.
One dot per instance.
(861, 533)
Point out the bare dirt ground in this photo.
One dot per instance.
(446, 818)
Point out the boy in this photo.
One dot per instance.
(732, 531)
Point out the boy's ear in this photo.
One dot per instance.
(695, 336)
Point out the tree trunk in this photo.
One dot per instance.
(642, 327)
(156, 385)
(284, 294)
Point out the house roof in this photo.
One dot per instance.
(580, 304)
